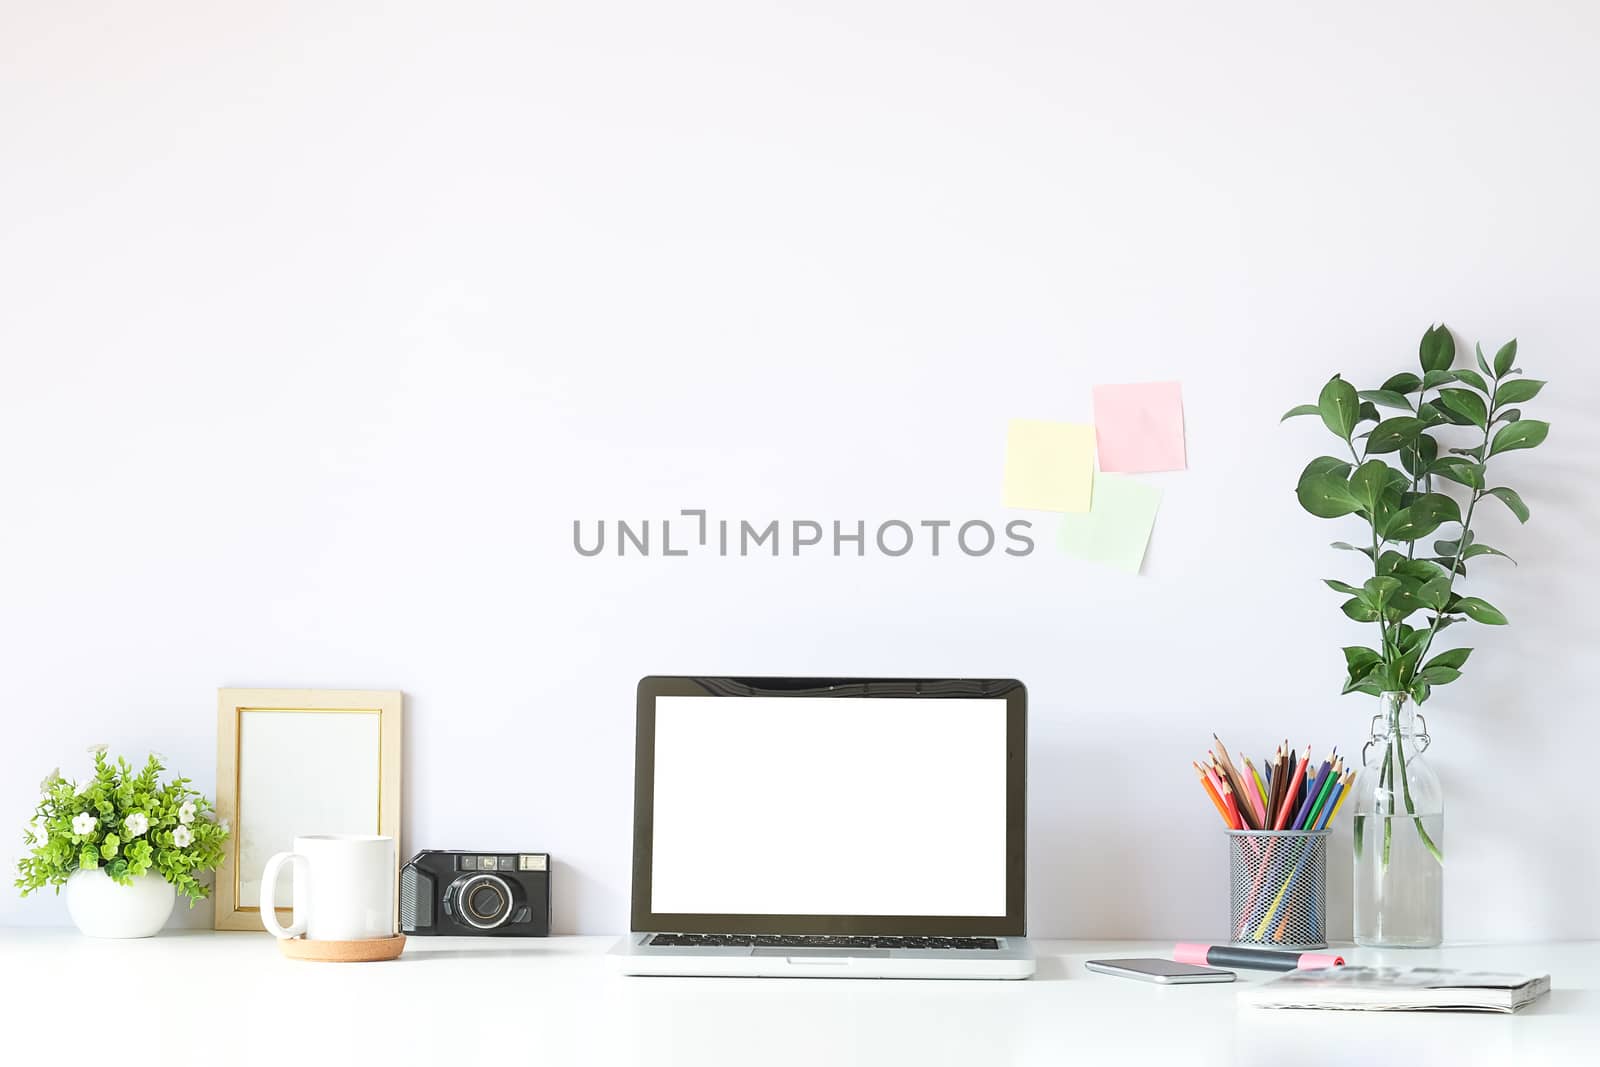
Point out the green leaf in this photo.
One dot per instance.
(1505, 358)
(1517, 391)
(1368, 686)
(1472, 378)
(1300, 409)
(1324, 464)
(1325, 494)
(1403, 602)
(1358, 658)
(1368, 482)
(1467, 404)
(1418, 456)
(1508, 415)
(1483, 364)
(1358, 610)
(1455, 659)
(1376, 593)
(1407, 666)
(1525, 433)
(1404, 382)
(1437, 675)
(1435, 379)
(1434, 593)
(88, 858)
(1420, 569)
(1403, 525)
(1359, 663)
(1341, 587)
(1480, 610)
(1429, 413)
(1510, 499)
(1460, 470)
(1338, 406)
(1348, 547)
(1385, 397)
(1423, 516)
(1484, 550)
(1388, 561)
(1367, 412)
(1390, 434)
(1437, 350)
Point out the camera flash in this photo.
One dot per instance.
(530, 863)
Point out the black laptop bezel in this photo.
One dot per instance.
(1015, 694)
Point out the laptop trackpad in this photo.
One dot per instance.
(818, 953)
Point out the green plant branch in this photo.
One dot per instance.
(1383, 778)
(1383, 627)
(1466, 521)
(1411, 808)
(1401, 508)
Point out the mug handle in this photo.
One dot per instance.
(269, 893)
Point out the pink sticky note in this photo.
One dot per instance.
(1139, 427)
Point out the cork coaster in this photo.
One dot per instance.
(369, 950)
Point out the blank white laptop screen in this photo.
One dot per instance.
(829, 806)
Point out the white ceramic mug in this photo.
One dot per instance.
(343, 888)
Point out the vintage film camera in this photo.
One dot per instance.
(487, 894)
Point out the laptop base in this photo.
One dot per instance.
(1013, 959)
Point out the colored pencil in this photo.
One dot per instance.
(1216, 775)
(1323, 794)
(1325, 812)
(1205, 782)
(1247, 819)
(1279, 782)
(1241, 788)
(1260, 793)
(1233, 807)
(1349, 780)
(1304, 811)
(1289, 785)
(1294, 788)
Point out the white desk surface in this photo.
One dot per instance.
(218, 999)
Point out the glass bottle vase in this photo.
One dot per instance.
(1399, 834)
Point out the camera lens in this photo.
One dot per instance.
(485, 900)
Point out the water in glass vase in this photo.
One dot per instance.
(1399, 834)
(1399, 904)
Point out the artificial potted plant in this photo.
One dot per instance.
(1417, 495)
(124, 845)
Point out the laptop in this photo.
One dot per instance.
(829, 827)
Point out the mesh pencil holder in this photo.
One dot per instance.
(1279, 893)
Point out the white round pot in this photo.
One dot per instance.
(101, 908)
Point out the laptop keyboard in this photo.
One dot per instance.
(820, 941)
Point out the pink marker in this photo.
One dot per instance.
(1258, 959)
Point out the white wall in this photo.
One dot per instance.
(321, 323)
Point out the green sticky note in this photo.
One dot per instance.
(1049, 465)
(1116, 528)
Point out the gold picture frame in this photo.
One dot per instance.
(299, 761)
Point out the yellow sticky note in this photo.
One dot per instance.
(1049, 465)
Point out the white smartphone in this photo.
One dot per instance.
(1165, 972)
